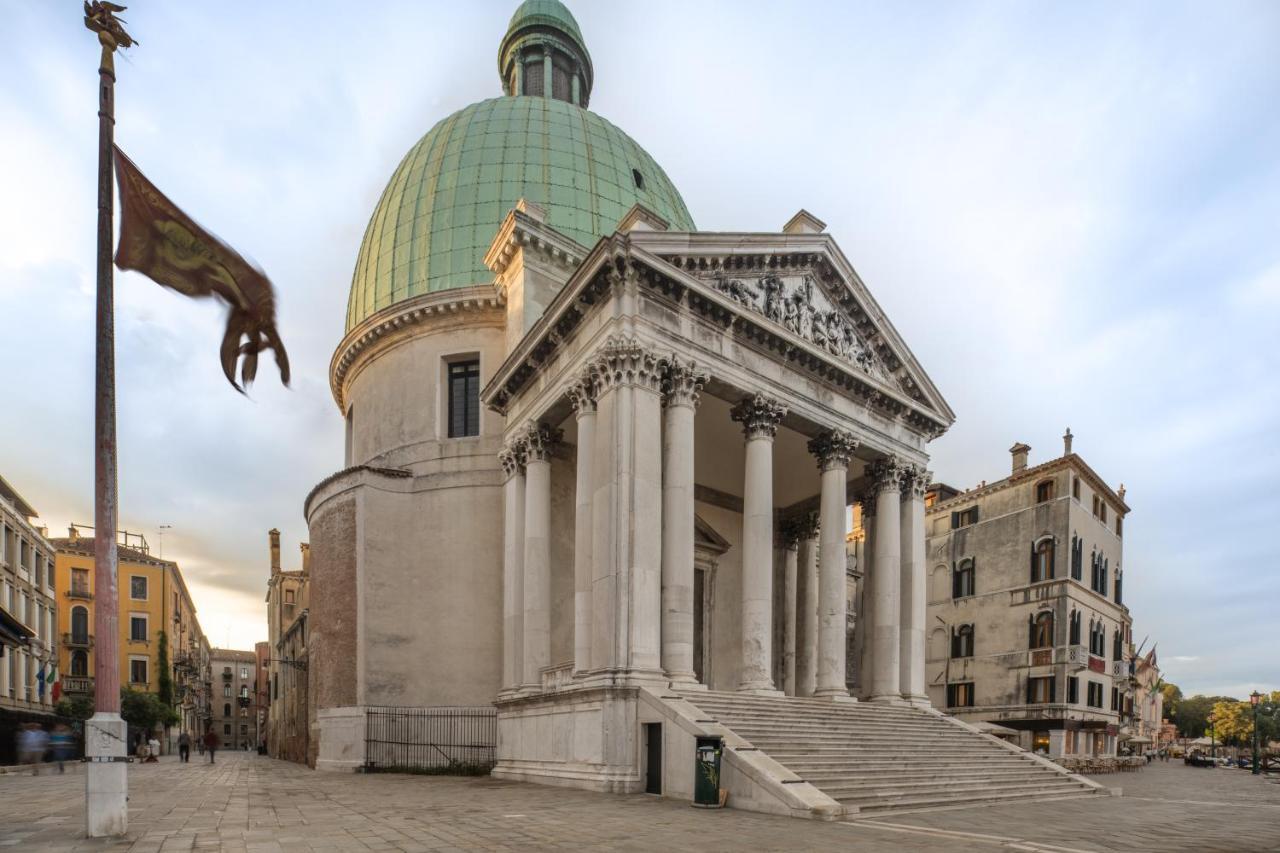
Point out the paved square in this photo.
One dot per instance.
(246, 802)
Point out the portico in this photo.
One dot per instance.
(658, 395)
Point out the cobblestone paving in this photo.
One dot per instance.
(249, 803)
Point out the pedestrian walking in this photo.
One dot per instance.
(62, 741)
(211, 743)
(153, 749)
(184, 747)
(32, 742)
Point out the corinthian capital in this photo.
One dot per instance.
(759, 416)
(682, 383)
(833, 449)
(915, 482)
(625, 361)
(582, 394)
(887, 474)
(511, 456)
(539, 440)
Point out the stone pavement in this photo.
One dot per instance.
(249, 803)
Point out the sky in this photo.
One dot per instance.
(1071, 213)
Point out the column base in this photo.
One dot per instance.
(685, 681)
(843, 698)
(916, 700)
(830, 692)
(106, 779)
(889, 699)
(757, 689)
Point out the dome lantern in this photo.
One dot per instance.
(543, 54)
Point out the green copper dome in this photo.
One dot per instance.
(442, 208)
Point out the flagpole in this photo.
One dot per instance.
(106, 782)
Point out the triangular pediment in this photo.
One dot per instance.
(804, 288)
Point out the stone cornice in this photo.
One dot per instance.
(525, 228)
(337, 475)
(1071, 460)
(419, 310)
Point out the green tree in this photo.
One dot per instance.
(77, 707)
(1191, 716)
(1172, 696)
(145, 710)
(1233, 722)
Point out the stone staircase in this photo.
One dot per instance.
(879, 758)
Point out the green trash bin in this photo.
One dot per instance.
(706, 772)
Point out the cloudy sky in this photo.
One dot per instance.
(1070, 211)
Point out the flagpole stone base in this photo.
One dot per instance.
(107, 781)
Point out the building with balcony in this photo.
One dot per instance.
(290, 713)
(234, 713)
(154, 606)
(28, 609)
(1027, 624)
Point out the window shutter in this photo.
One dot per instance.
(1053, 555)
(1031, 632)
(1053, 688)
(955, 643)
(955, 581)
(975, 514)
(955, 520)
(1033, 561)
(973, 576)
(1029, 690)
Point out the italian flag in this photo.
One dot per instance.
(56, 682)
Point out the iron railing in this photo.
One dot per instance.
(454, 739)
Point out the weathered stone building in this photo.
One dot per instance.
(1027, 625)
(235, 709)
(28, 609)
(290, 713)
(598, 466)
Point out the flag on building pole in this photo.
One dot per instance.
(55, 691)
(160, 241)
(40, 681)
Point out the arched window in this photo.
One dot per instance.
(1042, 630)
(80, 625)
(80, 663)
(962, 579)
(1042, 560)
(937, 644)
(1044, 491)
(962, 642)
(1074, 628)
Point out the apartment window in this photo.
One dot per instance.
(80, 625)
(1042, 630)
(962, 642)
(1044, 491)
(1094, 699)
(1074, 628)
(138, 587)
(138, 628)
(288, 596)
(1115, 699)
(1119, 525)
(1103, 514)
(1075, 488)
(244, 672)
(138, 670)
(960, 695)
(226, 729)
(226, 709)
(1097, 639)
(39, 570)
(464, 398)
(1041, 690)
(1073, 689)
(962, 579)
(964, 518)
(79, 582)
(1077, 558)
(226, 691)
(1119, 589)
(1042, 561)
(1117, 646)
(244, 691)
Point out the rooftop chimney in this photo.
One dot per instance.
(306, 557)
(1066, 442)
(1020, 452)
(274, 536)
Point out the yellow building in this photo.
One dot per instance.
(152, 598)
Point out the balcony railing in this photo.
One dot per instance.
(1119, 669)
(84, 594)
(77, 641)
(1077, 658)
(79, 684)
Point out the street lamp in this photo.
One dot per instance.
(1254, 698)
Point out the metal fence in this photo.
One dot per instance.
(455, 739)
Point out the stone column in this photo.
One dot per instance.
(512, 459)
(807, 606)
(539, 441)
(759, 416)
(914, 596)
(583, 396)
(885, 583)
(681, 386)
(626, 542)
(546, 73)
(833, 450)
(864, 619)
(790, 580)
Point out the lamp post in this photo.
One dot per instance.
(1254, 698)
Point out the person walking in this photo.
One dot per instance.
(153, 749)
(210, 743)
(32, 743)
(184, 747)
(62, 742)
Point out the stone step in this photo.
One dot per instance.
(871, 805)
(869, 788)
(819, 775)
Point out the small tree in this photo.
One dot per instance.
(75, 707)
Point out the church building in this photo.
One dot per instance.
(598, 468)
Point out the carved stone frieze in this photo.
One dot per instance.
(833, 449)
(682, 383)
(759, 416)
(797, 303)
(539, 441)
(625, 361)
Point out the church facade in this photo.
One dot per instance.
(599, 462)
